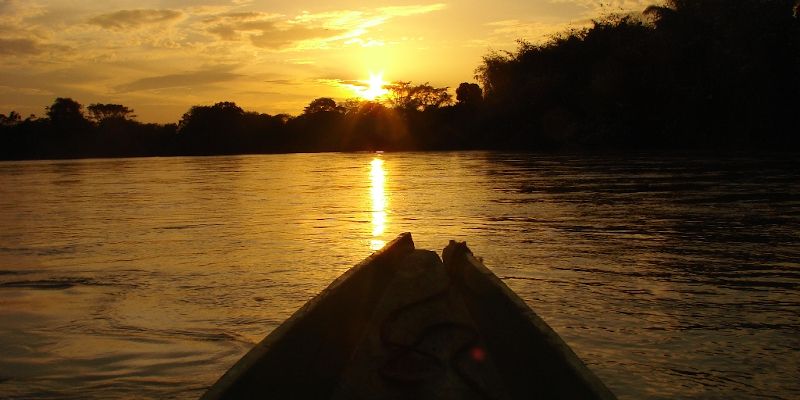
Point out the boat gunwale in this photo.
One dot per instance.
(457, 253)
(468, 272)
(396, 248)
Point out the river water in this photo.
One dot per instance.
(671, 277)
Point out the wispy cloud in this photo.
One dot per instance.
(132, 19)
(187, 79)
(292, 36)
(339, 82)
(20, 46)
(31, 46)
(307, 30)
(543, 29)
(535, 31)
(239, 26)
(19, 37)
(347, 87)
(600, 7)
(406, 11)
(18, 9)
(154, 55)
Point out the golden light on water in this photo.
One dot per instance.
(377, 177)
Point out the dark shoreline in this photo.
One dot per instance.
(699, 154)
(686, 76)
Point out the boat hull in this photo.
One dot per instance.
(404, 324)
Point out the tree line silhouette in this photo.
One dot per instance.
(698, 74)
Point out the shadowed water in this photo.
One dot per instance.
(670, 277)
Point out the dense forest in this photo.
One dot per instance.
(688, 74)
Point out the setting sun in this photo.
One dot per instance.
(375, 87)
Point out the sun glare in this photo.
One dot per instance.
(374, 87)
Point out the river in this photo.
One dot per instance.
(671, 277)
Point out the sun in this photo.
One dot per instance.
(374, 87)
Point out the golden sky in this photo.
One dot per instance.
(161, 57)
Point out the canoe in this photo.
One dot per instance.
(403, 324)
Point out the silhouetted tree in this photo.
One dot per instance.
(429, 97)
(351, 106)
(469, 94)
(405, 96)
(201, 118)
(322, 104)
(400, 95)
(13, 118)
(690, 73)
(67, 114)
(684, 73)
(216, 129)
(65, 133)
(369, 125)
(101, 112)
(318, 128)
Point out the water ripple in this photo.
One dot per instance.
(672, 277)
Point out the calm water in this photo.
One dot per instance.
(670, 277)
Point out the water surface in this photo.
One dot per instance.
(671, 277)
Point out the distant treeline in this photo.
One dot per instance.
(698, 74)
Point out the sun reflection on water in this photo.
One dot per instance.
(377, 176)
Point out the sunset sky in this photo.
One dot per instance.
(161, 57)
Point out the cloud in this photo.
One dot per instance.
(301, 61)
(14, 47)
(152, 52)
(348, 87)
(278, 38)
(308, 30)
(236, 26)
(351, 85)
(535, 31)
(601, 7)
(17, 9)
(543, 29)
(281, 81)
(18, 35)
(25, 90)
(131, 19)
(342, 82)
(365, 43)
(406, 11)
(269, 31)
(31, 46)
(188, 79)
(237, 16)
